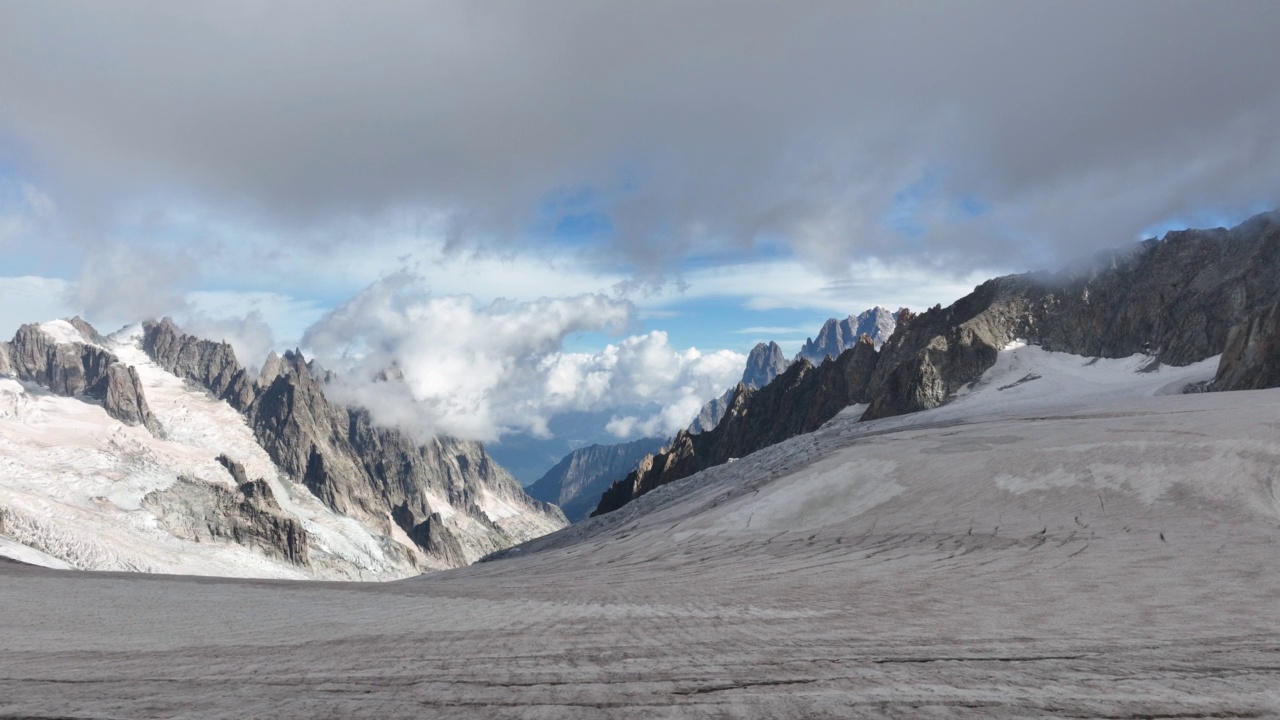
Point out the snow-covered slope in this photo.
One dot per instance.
(75, 481)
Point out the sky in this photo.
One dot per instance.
(537, 208)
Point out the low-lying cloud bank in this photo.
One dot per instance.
(450, 365)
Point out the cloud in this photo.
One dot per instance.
(254, 323)
(287, 317)
(798, 285)
(700, 128)
(770, 330)
(640, 370)
(250, 336)
(24, 209)
(31, 299)
(447, 364)
(119, 284)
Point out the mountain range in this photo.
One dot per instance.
(836, 336)
(766, 360)
(1040, 501)
(150, 449)
(209, 469)
(577, 481)
(1188, 296)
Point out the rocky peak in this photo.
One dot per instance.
(212, 365)
(271, 369)
(1175, 299)
(711, 412)
(764, 364)
(72, 369)
(87, 331)
(830, 341)
(836, 336)
(877, 323)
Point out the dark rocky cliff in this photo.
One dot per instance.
(1251, 358)
(211, 365)
(247, 514)
(836, 336)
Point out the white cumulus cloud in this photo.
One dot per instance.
(451, 365)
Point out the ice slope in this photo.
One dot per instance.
(1084, 544)
(74, 480)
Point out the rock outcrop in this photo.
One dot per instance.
(1251, 358)
(797, 401)
(212, 365)
(245, 514)
(577, 481)
(433, 535)
(447, 495)
(77, 369)
(1175, 299)
(87, 331)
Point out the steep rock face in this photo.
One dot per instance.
(878, 324)
(379, 475)
(765, 363)
(577, 481)
(212, 365)
(797, 401)
(72, 369)
(933, 355)
(1251, 358)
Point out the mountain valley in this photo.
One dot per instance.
(1056, 497)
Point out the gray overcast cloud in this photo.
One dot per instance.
(1064, 126)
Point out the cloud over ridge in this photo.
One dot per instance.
(451, 365)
